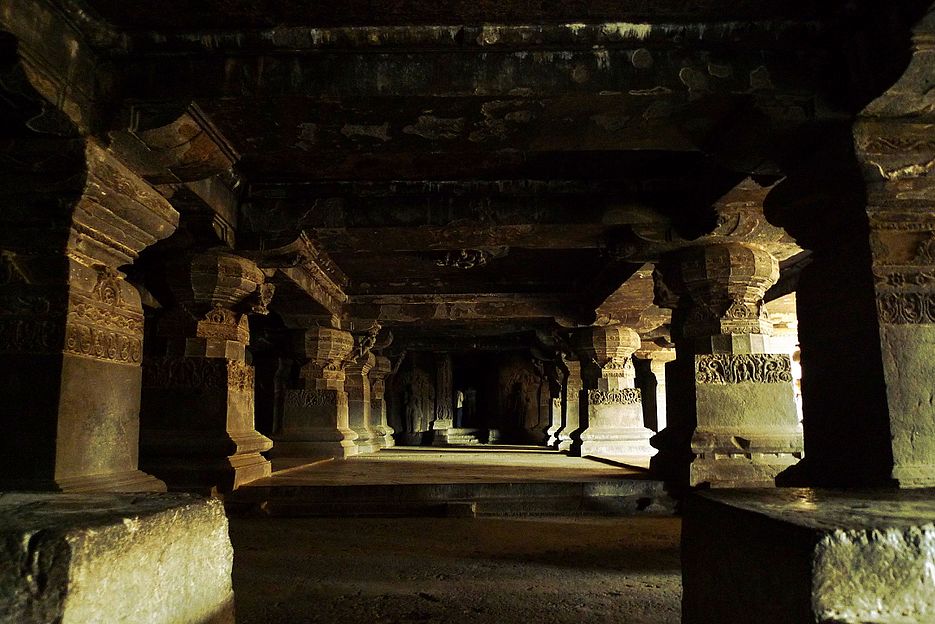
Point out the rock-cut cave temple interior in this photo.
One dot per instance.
(467, 311)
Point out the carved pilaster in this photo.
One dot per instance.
(198, 399)
(732, 414)
(315, 413)
(378, 374)
(611, 409)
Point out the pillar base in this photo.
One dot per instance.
(784, 555)
(384, 437)
(156, 558)
(629, 441)
(743, 459)
(129, 481)
(329, 443)
(367, 441)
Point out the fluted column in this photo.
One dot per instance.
(611, 410)
(198, 398)
(71, 326)
(315, 411)
(732, 418)
(378, 374)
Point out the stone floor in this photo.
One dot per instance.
(426, 465)
(504, 571)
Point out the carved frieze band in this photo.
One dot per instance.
(200, 373)
(310, 398)
(623, 396)
(901, 308)
(19, 335)
(744, 368)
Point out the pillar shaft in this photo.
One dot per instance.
(378, 374)
(357, 386)
(732, 418)
(71, 327)
(315, 411)
(570, 415)
(610, 408)
(198, 399)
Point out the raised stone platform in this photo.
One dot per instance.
(145, 558)
(790, 556)
(479, 481)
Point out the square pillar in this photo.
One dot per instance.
(571, 393)
(357, 386)
(198, 400)
(610, 407)
(732, 416)
(378, 374)
(444, 399)
(71, 326)
(315, 412)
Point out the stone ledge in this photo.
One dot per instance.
(145, 558)
(785, 556)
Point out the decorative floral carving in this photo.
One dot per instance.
(906, 307)
(102, 344)
(743, 368)
(107, 288)
(198, 373)
(310, 398)
(464, 259)
(262, 296)
(224, 324)
(925, 252)
(106, 316)
(240, 376)
(623, 396)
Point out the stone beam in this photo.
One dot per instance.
(517, 60)
(185, 148)
(306, 268)
(240, 14)
(55, 57)
(403, 309)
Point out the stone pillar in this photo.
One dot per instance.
(357, 386)
(198, 398)
(557, 379)
(315, 413)
(571, 393)
(444, 397)
(71, 326)
(732, 418)
(611, 411)
(651, 378)
(901, 209)
(384, 433)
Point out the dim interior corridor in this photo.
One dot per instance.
(472, 570)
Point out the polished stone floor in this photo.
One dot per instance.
(474, 464)
(491, 570)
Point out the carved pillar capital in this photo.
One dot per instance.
(327, 350)
(716, 294)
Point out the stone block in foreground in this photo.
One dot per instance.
(146, 558)
(791, 556)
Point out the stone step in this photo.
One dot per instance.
(558, 498)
